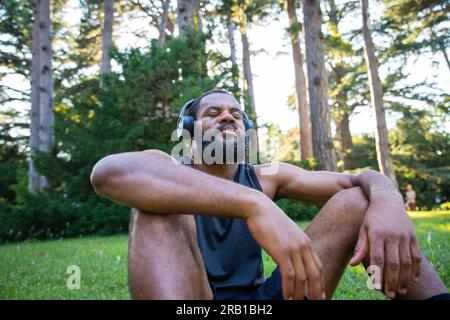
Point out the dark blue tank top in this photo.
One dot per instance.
(231, 255)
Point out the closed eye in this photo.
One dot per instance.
(213, 113)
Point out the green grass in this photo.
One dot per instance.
(37, 270)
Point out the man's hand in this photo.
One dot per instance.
(387, 234)
(292, 250)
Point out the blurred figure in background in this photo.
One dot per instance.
(410, 203)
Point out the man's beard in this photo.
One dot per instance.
(221, 151)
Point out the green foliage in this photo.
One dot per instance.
(15, 44)
(298, 210)
(421, 153)
(416, 26)
(135, 109)
(420, 148)
(12, 157)
(364, 153)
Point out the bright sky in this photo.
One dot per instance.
(274, 74)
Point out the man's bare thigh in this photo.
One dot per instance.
(164, 258)
(334, 232)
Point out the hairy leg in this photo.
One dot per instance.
(334, 232)
(429, 284)
(164, 261)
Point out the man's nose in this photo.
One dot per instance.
(226, 117)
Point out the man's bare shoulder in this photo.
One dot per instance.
(274, 170)
(272, 175)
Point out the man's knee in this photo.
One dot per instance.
(148, 229)
(161, 222)
(353, 200)
(350, 206)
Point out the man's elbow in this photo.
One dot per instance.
(101, 174)
(367, 173)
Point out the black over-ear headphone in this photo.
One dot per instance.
(187, 122)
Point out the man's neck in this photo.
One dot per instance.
(226, 171)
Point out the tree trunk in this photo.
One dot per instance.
(46, 133)
(342, 122)
(346, 141)
(197, 18)
(33, 176)
(231, 40)
(306, 150)
(248, 76)
(185, 16)
(107, 35)
(318, 86)
(376, 93)
(163, 23)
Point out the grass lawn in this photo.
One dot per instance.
(38, 270)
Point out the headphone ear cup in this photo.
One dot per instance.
(248, 124)
(188, 124)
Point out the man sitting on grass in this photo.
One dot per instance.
(198, 228)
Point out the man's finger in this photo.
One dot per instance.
(287, 278)
(322, 274)
(361, 248)
(315, 288)
(416, 257)
(377, 256)
(405, 267)
(300, 277)
(392, 267)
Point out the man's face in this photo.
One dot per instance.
(221, 119)
(222, 112)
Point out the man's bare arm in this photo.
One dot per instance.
(387, 235)
(318, 187)
(153, 181)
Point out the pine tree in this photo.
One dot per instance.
(376, 93)
(306, 150)
(318, 86)
(42, 119)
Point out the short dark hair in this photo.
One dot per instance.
(196, 104)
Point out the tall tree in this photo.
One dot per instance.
(107, 35)
(228, 13)
(187, 16)
(318, 86)
(163, 22)
(376, 93)
(42, 119)
(306, 150)
(34, 179)
(232, 42)
(247, 68)
(341, 80)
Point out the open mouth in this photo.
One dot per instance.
(229, 131)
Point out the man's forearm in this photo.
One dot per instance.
(375, 184)
(152, 181)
